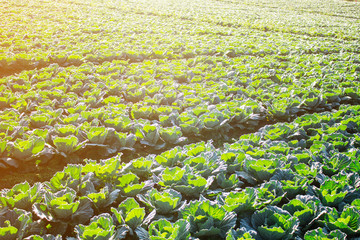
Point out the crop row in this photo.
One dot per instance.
(75, 34)
(93, 79)
(75, 111)
(310, 18)
(287, 181)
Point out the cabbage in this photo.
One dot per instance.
(101, 227)
(165, 203)
(323, 233)
(164, 230)
(25, 149)
(274, 223)
(130, 213)
(208, 219)
(67, 145)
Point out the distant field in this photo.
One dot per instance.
(220, 119)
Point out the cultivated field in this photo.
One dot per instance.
(166, 119)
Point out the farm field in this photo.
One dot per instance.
(219, 119)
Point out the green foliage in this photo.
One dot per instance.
(97, 135)
(14, 224)
(165, 203)
(241, 201)
(101, 227)
(64, 206)
(207, 219)
(106, 83)
(67, 145)
(347, 221)
(130, 213)
(25, 149)
(321, 234)
(22, 196)
(163, 230)
(274, 223)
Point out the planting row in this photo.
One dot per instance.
(74, 112)
(113, 77)
(74, 33)
(287, 181)
(309, 18)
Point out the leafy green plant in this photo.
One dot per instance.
(193, 185)
(205, 164)
(240, 202)
(274, 223)
(21, 196)
(278, 132)
(331, 192)
(262, 169)
(123, 140)
(215, 120)
(97, 135)
(242, 234)
(130, 213)
(348, 221)
(4, 148)
(234, 160)
(40, 120)
(335, 164)
(142, 112)
(189, 124)
(227, 184)
(172, 135)
(104, 171)
(121, 124)
(323, 233)
(172, 176)
(163, 230)
(129, 185)
(42, 133)
(44, 237)
(186, 183)
(171, 157)
(24, 150)
(64, 208)
(140, 166)
(66, 130)
(71, 119)
(166, 202)
(269, 193)
(70, 177)
(14, 224)
(304, 210)
(101, 227)
(293, 184)
(207, 219)
(305, 170)
(149, 135)
(104, 198)
(67, 145)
